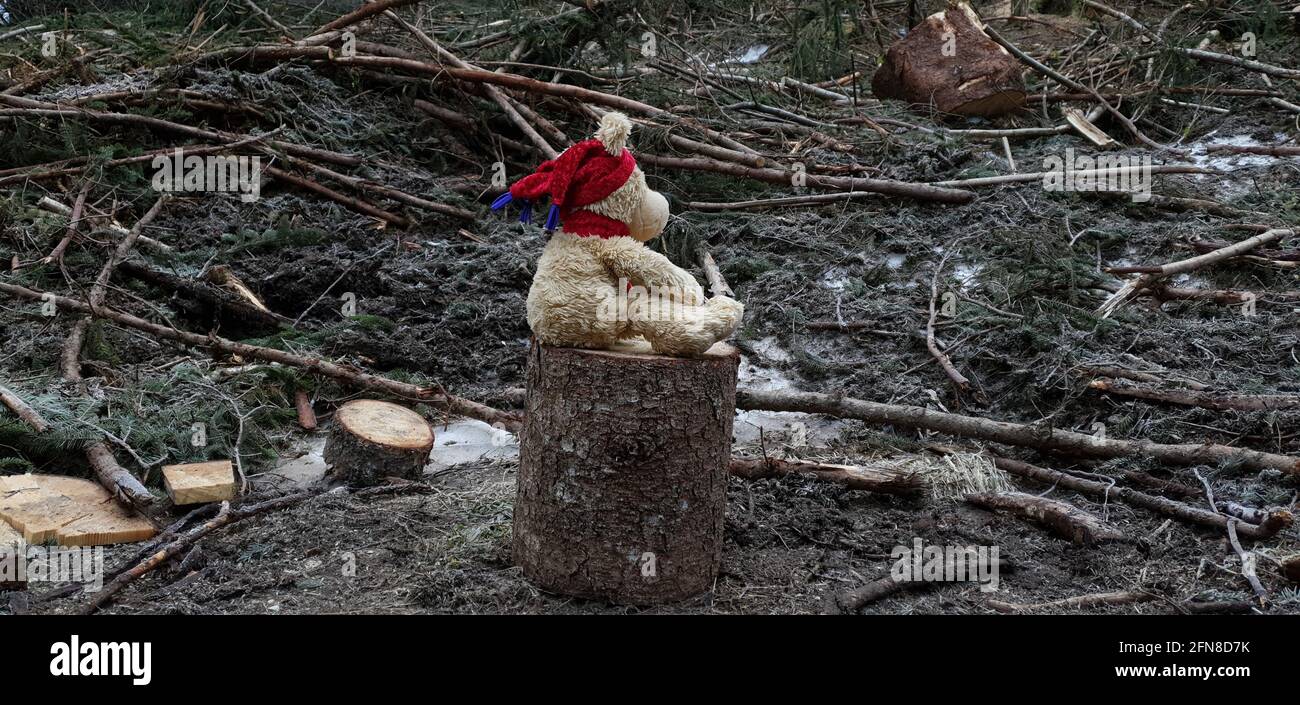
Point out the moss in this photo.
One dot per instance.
(374, 323)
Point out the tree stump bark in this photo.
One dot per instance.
(949, 63)
(372, 440)
(623, 472)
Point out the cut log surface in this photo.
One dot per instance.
(200, 483)
(948, 62)
(623, 472)
(11, 548)
(67, 510)
(372, 440)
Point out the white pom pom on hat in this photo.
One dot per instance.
(613, 131)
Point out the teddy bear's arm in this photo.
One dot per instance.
(628, 259)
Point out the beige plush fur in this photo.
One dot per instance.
(580, 295)
(580, 298)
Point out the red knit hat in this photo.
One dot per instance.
(586, 173)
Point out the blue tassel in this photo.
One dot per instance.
(526, 215)
(502, 200)
(553, 218)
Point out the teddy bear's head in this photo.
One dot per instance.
(650, 217)
(595, 187)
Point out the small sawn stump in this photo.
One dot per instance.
(371, 440)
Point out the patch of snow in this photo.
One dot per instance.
(835, 279)
(785, 428)
(752, 55)
(966, 273)
(1227, 161)
(769, 348)
(762, 379)
(306, 468)
(895, 261)
(790, 428)
(468, 440)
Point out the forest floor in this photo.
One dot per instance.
(442, 301)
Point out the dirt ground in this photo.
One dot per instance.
(436, 305)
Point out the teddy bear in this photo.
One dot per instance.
(597, 282)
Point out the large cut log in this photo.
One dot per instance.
(372, 440)
(68, 511)
(623, 471)
(949, 63)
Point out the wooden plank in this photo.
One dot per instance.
(199, 483)
(68, 511)
(1083, 126)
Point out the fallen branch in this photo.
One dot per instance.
(1080, 176)
(21, 31)
(361, 13)
(222, 301)
(503, 101)
(1247, 558)
(306, 415)
(265, 18)
(717, 283)
(74, 221)
(1205, 245)
(348, 375)
(1061, 518)
(23, 410)
(1270, 150)
(852, 326)
(223, 518)
(926, 192)
(116, 228)
(854, 600)
(355, 204)
(1075, 85)
(389, 192)
(1101, 599)
(819, 199)
(1030, 436)
(1178, 203)
(1248, 64)
(958, 379)
(1248, 561)
(1155, 274)
(36, 108)
(116, 479)
(1203, 399)
(1159, 484)
(1276, 521)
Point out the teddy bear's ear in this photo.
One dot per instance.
(613, 132)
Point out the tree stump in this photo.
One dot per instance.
(623, 472)
(948, 62)
(372, 440)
